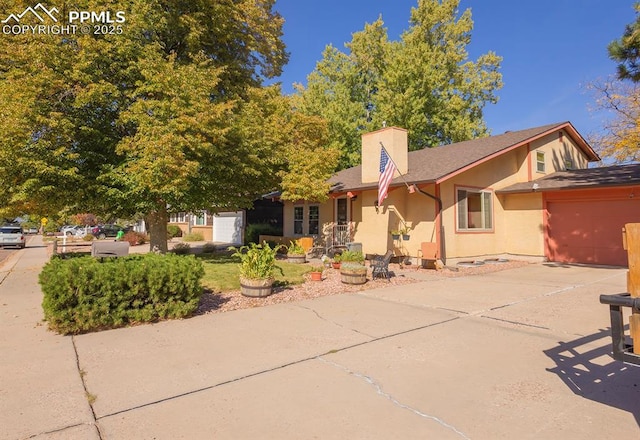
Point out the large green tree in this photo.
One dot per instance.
(168, 115)
(626, 50)
(424, 82)
(619, 98)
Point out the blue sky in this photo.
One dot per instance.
(551, 49)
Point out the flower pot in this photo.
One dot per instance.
(256, 288)
(316, 276)
(405, 237)
(395, 236)
(296, 258)
(353, 276)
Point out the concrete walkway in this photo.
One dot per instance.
(518, 354)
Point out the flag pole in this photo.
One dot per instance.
(396, 165)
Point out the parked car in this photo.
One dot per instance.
(71, 230)
(104, 231)
(12, 236)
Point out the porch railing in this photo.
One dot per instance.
(341, 235)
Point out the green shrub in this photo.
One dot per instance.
(181, 248)
(87, 294)
(173, 231)
(208, 248)
(193, 236)
(253, 232)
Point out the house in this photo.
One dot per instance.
(223, 227)
(521, 193)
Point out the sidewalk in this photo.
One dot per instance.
(522, 353)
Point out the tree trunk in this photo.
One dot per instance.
(157, 224)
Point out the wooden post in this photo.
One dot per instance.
(631, 242)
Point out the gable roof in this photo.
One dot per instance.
(434, 165)
(617, 175)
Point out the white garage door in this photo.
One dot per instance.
(227, 227)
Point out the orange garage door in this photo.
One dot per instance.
(589, 231)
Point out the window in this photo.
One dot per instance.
(178, 217)
(314, 219)
(540, 161)
(298, 219)
(568, 164)
(200, 219)
(474, 210)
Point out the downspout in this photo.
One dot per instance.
(440, 235)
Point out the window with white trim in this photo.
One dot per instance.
(475, 211)
(314, 219)
(178, 217)
(298, 219)
(540, 167)
(200, 219)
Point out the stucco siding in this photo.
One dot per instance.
(495, 174)
(523, 224)
(558, 148)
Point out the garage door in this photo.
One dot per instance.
(590, 231)
(227, 228)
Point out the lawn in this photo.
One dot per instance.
(222, 272)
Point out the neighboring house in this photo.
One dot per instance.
(527, 193)
(223, 227)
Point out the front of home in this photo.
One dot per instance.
(221, 227)
(523, 193)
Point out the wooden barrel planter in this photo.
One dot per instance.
(256, 288)
(296, 258)
(353, 276)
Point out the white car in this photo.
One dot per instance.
(12, 236)
(70, 231)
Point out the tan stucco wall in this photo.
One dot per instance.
(556, 150)
(395, 141)
(206, 231)
(505, 237)
(372, 229)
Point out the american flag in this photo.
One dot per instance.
(387, 169)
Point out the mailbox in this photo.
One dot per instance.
(109, 248)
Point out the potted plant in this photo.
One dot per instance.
(352, 269)
(352, 257)
(395, 234)
(353, 273)
(296, 253)
(335, 262)
(257, 265)
(316, 273)
(405, 234)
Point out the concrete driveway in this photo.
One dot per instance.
(523, 353)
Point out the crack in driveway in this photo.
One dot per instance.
(333, 322)
(372, 382)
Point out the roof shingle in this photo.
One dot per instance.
(433, 164)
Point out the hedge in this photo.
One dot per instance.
(87, 294)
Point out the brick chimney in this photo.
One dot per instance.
(395, 141)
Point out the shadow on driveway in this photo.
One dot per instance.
(592, 373)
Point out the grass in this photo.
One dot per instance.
(222, 272)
